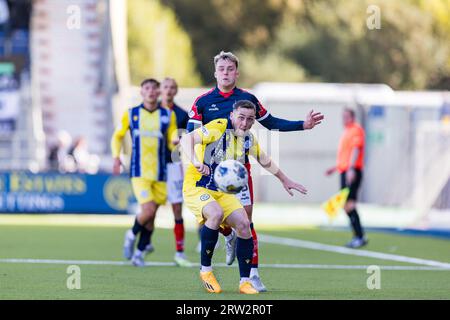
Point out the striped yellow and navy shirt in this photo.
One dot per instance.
(151, 133)
(218, 144)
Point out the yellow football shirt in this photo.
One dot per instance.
(150, 133)
(218, 144)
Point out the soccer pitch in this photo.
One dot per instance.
(295, 264)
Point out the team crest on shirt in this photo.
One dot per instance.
(191, 113)
(205, 131)
(247, 144)
(144, 193)
(135, 118)
(204, 197)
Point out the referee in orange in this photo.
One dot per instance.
(350, 165)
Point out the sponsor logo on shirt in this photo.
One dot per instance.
(213, 108)
(148, 134)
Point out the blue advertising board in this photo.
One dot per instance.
(25, 192)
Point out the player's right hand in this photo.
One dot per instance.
(291, 185)
(116, 166)
(202, 168)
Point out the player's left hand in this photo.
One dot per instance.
(202, 168)
(312, 119)
(289, 185)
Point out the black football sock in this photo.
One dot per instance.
(136, 227)
(356, 224)
(208, 238)
(244, 254)
(144, 239)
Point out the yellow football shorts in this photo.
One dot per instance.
(146, 190)
(196, 198)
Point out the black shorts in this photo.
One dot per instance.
(354, 187)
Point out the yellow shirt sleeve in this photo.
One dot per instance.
(172, 131)
(255, 149)
(119, 134)
(212, 131)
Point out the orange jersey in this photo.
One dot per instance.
(353, 137)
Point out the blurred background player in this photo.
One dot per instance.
(218, 103)
(152, 128)
(175, 175)
(4, 16)
(224, 139)
(350, 162)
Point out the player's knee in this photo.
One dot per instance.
(243, 229)
(349, 206)
(149, 213)
(216, 216)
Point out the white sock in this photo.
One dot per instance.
(138, 253)
(229, 237)
(206, 269)
(131, 235)
(180, 254)
(244, 280)
(254, 272)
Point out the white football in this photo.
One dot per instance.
(230, 176)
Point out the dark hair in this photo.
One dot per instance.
(150, 80)
(351, 111)
(246, 104)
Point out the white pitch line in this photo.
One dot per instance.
(83, 262)
(196, 265)
(355, 252)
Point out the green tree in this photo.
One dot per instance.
(331, 40)
(440, 11)
(157, 44)
(228, 25)
(267, 67)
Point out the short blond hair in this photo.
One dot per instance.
(226, 56)
(170, 79)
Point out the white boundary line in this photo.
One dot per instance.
(355, 252)
(196, 265)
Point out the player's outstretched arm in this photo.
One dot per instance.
(116, 142)
(266, 162)
(187, 143)
(312, 119)
(172, 133)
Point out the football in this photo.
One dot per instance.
(230, 176)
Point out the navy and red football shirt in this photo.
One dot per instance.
(216, 105)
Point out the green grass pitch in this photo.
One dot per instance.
(20, 280)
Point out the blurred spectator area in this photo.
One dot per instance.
(20, 124)
(15, 31)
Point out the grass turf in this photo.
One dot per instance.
(48, 281)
